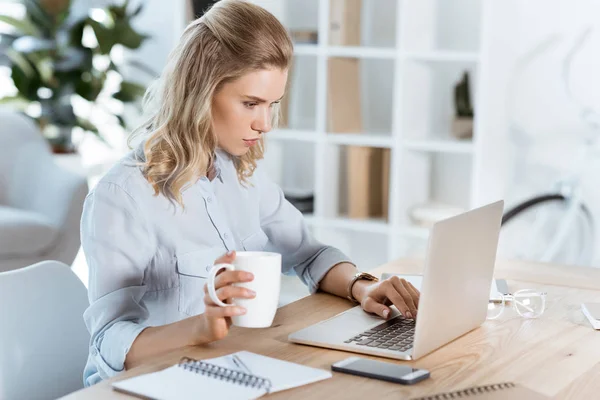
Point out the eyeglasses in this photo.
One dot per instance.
(528, 303)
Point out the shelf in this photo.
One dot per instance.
(360, 52)
(442, 56)
(347, 139)
(440, 146)
(441, 25)
(359, 225)
(386, 53)
(394, 85)
(293, 134)
(306, 49)
(345, 51)
(360, 139)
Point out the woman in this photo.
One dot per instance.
(190, 195)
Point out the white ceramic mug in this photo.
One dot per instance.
(266, 268)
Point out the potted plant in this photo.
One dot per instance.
(66, 67)
(462, 125)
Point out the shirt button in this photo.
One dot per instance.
(209, 199)
(208, 267)
(94, 351)
(225, 235)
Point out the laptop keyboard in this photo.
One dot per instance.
(395, 334)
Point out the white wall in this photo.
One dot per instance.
(522, 162)
(164, 21)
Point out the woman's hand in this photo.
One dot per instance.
(217, 320)
(376, 298)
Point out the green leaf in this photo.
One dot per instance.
(119, 12)
(76, 33)
(105, 36)
(74, 58)
(121, 121)
(113, 67)
(129, 92)
(39, 16)
(124, 34)
(16, 102)
(137, 11)
(21, 61)
(63, 16)
(45, 69)
(89, 86)
(66, 81)
(24, 26)
(27, 86)
(25, 75)
(143, 67)
(87, 126)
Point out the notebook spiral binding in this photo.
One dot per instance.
(461, 394)
(226, 374)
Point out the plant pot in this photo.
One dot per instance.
(462, 127)
(57, 123)
(59, 139)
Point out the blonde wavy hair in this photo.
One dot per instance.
(232, 38)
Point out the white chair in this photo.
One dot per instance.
(40, 202)
(43, 338)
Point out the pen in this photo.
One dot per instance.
(240, 364)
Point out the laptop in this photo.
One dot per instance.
(455, 291)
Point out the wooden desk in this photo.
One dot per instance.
(557, 354)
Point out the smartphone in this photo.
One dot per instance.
(381, 370)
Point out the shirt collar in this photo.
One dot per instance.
(221, 158)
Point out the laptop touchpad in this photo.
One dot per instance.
(348, 324)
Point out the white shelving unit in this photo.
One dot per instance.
(432, 42)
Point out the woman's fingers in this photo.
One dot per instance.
(401, 286)
(228, 277)
(392, 295)
(233, 292)
(372, 306)
(226, 258)
(223, 312)
(414, 292)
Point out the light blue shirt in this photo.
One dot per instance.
(148, 259)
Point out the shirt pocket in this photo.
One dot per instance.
(192, 270)
(255, 242)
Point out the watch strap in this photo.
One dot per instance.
(359, 276)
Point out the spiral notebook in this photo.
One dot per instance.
(221, 378)
(498, 391)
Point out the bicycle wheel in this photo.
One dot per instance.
(548, 228)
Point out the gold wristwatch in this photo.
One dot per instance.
(359, 276)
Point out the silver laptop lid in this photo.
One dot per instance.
(457, 277)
